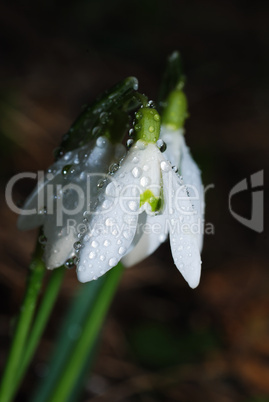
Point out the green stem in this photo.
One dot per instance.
(41, 319)
(92, 326)
(36, 275)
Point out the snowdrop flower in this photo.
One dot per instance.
(61, 195)
(173, 143)
(144, 196)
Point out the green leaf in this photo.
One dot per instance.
(74, 350)
(94, 120)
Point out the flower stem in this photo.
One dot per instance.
(43, 314)
(35, 279)
(92, 325)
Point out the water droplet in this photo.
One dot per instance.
(126, 234)
(95, 244)
(131, 132)
(66, 169)
(144, 181)
(109, 222)
(133, 205)
(151, 129)
(113, 168)
(101, 183)
(135, 159)
(137, 127)
(136, 172)
(161, 145)
(101, 142)
(122, 250)
(175, 169)
(69, 263)
(151, 104)
(156, 117)
(92, 255)
(102, 258)
(129, 143)
(112, 262)
(77, 245)
(106, 243)
(146, 168)
(96, 130)
(104, 117)
(164, 166)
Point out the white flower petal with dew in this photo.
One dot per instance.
(178, 153)
(142, 166)
(114, 230)
(65, 189)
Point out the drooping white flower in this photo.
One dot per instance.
(145, 196)
(177, 152)
(62, 195)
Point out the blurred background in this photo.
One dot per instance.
(162, 341)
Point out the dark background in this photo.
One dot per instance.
(162, 341)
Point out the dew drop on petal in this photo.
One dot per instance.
(129, 143)
(92, 255)
(161, 145)
(113, 168)
(136, 172)
(133, 205)
(164, 166)
(77, 245)
(109, 222)
(145, 181)
(112, 262)
(122, 250)
(135, 159)
(95, 244)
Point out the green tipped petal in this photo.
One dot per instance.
(147, 125)
(176, 110)
(149, 197)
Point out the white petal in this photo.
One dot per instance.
(152, 236)
(183, 226)
(62, 228)
(192, 178)
(179, 155)
(173, 140)
(113, 226)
